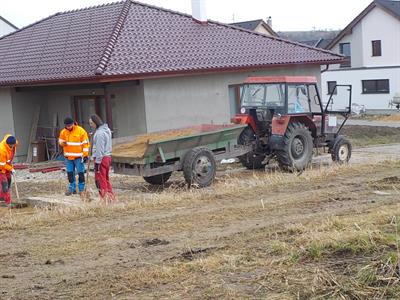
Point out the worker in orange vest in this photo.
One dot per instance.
(75, 142)
(8, 148)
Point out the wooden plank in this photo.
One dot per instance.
(47, 165)
(32, 136)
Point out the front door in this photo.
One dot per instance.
(85, 106)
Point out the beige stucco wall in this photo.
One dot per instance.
(128, 107)
(261, 29)
(138, 107)
(24, 107)
(6, 113)
(176, 102)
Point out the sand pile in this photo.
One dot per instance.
(137, 147)
(391, 118)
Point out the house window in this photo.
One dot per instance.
(376, 48)
(345, 49)
(379, 86)
(331, 88)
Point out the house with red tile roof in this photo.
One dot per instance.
(141, 68)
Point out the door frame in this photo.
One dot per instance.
(75, 107)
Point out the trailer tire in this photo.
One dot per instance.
(199, 167)
(298, 147)
(250, 160)
(159, 179)
(341, 151)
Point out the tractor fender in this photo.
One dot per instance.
(280, 124)
(334, 142)
(245, 119)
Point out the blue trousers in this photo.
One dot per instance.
(78, 165)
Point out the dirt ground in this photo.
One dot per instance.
(330, 232)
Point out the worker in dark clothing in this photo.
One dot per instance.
(102, 149)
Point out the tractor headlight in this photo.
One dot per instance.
(243, 110)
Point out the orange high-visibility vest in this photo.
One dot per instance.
(77, 142)
(6, 156)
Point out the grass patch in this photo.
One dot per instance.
(362, 136)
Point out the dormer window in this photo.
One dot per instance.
(345, 50)
(376, 48)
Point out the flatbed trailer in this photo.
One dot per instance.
(195, 154)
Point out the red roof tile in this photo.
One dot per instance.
(134, 39)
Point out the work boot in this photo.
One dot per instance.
(69, 193)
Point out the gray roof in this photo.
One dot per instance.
(314, 38)
(8, 22)
(252, 26)
(249, 25)
(392, 6)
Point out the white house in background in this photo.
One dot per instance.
(6, 27)
(372, 44)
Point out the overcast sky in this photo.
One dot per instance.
(287, 15)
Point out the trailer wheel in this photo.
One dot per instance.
(199, 167)
(341, 151)
(250, 160)
(298, 146)
(158, 179)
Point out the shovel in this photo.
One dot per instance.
(86, 194)
(18, 204)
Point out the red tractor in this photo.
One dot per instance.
(286, 120)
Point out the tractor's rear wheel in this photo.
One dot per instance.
(158, 179)
(199, 167)
(298, 147)
(341, 152)
(250, 160)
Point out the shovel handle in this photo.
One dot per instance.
(16, 186)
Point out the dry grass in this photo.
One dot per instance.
(313, 260)
(173, 195)
(321, 234)
(362, 136)
(391, 118)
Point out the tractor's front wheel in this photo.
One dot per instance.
(298, 146)
(250, 160)
(341, 151)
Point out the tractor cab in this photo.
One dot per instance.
(273, 106)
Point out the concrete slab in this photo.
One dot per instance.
(43, 201)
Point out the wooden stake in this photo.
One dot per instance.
(32, 136)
